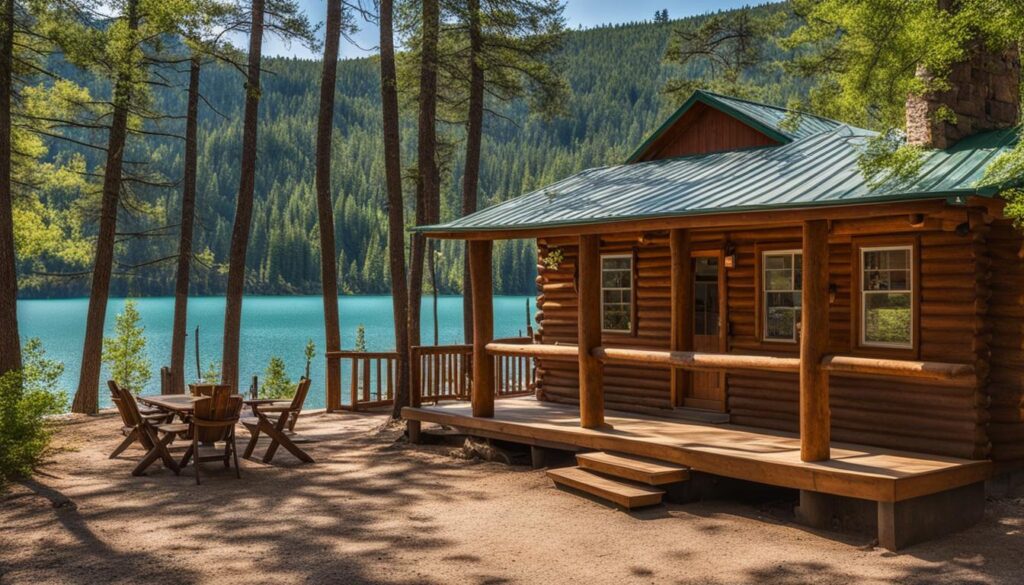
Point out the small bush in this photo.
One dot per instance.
(125, 353)
(26, 398)
(360, 337)
(276, 383)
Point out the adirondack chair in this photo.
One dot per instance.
(129, 429)
(280, 429)
(155, 435)
(213, 420)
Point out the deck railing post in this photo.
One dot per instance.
(814, 339)
(589, 329)
(333, 388)
(483, 327)
(681, 337)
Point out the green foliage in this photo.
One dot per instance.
(554, 258)
(26, 398)
(125, 353)
(310, 353)
(360, 337)
(276, 383)
(212, 373)
(887, 158)
(728, 52)
(615, 75)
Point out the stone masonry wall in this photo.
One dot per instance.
(984, 95)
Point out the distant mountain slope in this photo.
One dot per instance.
(616, 74)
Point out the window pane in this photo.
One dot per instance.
(778, 280)
(887, 318)
(778, 261)
(616, 317)
(781, 323)
(798, 277)
(616, 263)
(616, 279)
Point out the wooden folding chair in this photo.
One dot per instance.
(129, 429)
(213, 420)
(279, 430)
(153, 435)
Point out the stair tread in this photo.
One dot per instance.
(634, 468)
(624, 494)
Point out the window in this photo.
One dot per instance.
(617, 293)
(886, 286)
(781, 282)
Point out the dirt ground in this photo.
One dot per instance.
(373, 509)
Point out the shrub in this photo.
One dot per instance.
(360, 338)
(26, 398)
(125, 353)
(276, 383)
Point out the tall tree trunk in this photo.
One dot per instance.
(324, 206)
(427, 188)
(244, 203)
(396, 214)
(87, 395)
(474, 139)
(188, 213)
(10, 342)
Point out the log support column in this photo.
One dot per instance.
(589, 324)
(483, 327)
(814, 338)
(681, 338)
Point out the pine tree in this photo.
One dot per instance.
(276, 383)
(391, 139)
(125, 353)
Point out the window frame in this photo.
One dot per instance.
(631, 289)
(762, 293)
(862, 296)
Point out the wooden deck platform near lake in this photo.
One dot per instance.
(758, 455)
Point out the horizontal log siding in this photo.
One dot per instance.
(1006, 331)
(931, 417)
(626, 387)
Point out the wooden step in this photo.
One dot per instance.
(633, 468)
(627, 495)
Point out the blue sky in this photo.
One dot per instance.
(585, 13)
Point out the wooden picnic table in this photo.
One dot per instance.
(180, 404)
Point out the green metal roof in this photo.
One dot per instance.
(779, 124)
(816, 170)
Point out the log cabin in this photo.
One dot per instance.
(738, 300)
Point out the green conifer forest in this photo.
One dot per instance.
(617, 78)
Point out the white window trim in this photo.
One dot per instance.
(864, 295)
(631, 290)
(764, 295)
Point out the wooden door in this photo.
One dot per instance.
(707, 389)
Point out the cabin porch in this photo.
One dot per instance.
(911, 491)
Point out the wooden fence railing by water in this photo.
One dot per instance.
(438, 372)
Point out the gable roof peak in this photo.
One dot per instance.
(780, 124)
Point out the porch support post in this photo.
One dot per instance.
(483, 327)
(681, 338)
(814, 338)
(589, 329)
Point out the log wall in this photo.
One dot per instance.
(960, 321)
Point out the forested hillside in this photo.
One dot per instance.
(616, 75)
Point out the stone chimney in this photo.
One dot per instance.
(984, 94)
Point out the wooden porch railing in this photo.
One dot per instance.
(438, 372)
(442, 372)
(371, 379)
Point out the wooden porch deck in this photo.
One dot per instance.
(758, 455)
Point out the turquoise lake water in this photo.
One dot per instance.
(270, 326)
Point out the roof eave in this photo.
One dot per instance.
(454, 232)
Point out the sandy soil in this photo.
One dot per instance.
(376, 510)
